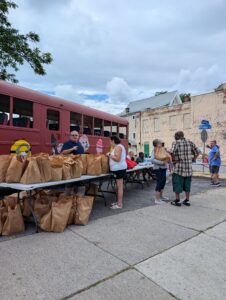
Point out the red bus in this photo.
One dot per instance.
(46, 121)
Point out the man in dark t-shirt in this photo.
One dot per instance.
(73, 146)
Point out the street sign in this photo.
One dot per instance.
(205, 124)
(204, 135)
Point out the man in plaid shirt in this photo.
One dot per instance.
(183, 153)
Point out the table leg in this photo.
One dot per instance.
(32, 211)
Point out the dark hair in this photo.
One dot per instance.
(141, 153)
(179, 135)
(115, 139)
(156, 142)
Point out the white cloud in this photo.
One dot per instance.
(128, 48)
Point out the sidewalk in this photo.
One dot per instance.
(155, 252)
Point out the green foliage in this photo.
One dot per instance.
(186, 97)
(15, 48)
(161, 92)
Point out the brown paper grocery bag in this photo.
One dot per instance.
(3, 215)
(44, 165)
(41, 207)
(83, 209)
(67, 171)
(84, 163)
(77, 168)
(11, 200)
(60, 214)
(94, 165)
(162, 154)
(105, 164)
(14, 221)
(56, 174)
(15, 170)
(45, 221)
(73, 211)
(4, 164)
(32, 173)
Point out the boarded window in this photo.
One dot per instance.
(53, 120)
(22, 113)
(107, 128)
(87, 125)
(145, 126)
(122, 131)
(134, 135)
(4, 109)
(187, 121)
(114, 129)
(75, 121)
(173, 122)
(157, 124)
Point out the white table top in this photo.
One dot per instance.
(28, 187)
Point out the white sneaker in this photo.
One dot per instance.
(164, 198)
(159, 201)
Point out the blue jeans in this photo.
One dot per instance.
(161, 179)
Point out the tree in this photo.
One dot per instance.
(186, 97)
(16, 49)
(160, 93)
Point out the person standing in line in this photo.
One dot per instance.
(118, 166)
(214, 163)
(159, 168)
(183, 152)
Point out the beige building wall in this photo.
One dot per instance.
(164, 122)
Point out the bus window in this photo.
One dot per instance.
(75, 121)
(107, 128)
(98, 126)
(114, 129)
(4, 109)
(22, 113)
(122, 131)
(53, 120)
(87, 125)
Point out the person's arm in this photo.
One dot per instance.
(156, 161)
(195, 151)
(65, 150)
(117, 154)
(217, 153)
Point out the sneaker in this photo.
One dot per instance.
(159, 201)
(217, 184)
(164, 198)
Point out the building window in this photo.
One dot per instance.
(88, 125)
(4, 109)
(22, 113)
(134, 135)
(145, 126)
(107, 128)
(122, 131)
(173, 122)
(98, 126)
(157, 124)
(53, 120)
(187, 121)
(114, 129)
(134, 117)
(75, 121)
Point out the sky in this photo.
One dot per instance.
(107, 53)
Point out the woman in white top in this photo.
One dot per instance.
(118, 166)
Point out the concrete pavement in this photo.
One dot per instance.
(148, 252)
